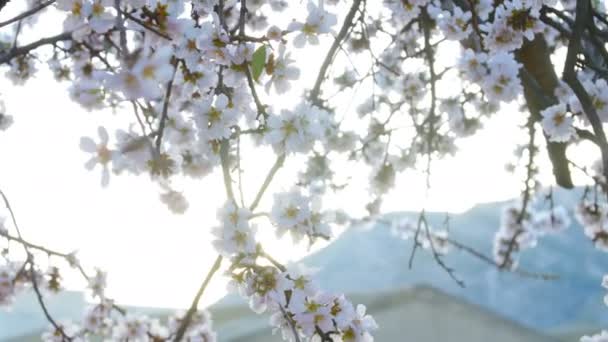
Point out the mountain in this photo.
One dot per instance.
(371, 266)
(373, 260)
(24, 315)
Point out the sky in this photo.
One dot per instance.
(156, 258)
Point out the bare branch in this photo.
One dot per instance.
(194, 306)
(27, 13)
(277, 165)
(23, 50)
(346, 25)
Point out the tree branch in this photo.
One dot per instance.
(277, 165)
(27, 13)
(193, 307)
(569, 76)
(22, 50)
(348, 22)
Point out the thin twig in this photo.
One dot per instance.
(348, 22)
(277, 165)
(163, 118)
(23, 50)
(193, 307)
(45, 310)
(27, 13)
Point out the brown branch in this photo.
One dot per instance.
(193, 307)
(224, 146)
(539, 82)
(27, 13)
(45, 310)
(145, 25)
(439, 259)
(163, 118)
(569, 76)
(346, 25)
(277, 165)
(23, 50)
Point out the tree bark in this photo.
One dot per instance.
(535, 58)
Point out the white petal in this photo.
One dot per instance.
(105, 177)
(103, 134)
(221, 101)
(90, 164)
(88, 145)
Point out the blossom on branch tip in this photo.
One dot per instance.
(102, 155)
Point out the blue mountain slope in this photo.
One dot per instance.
(373, 260)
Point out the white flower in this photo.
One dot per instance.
(501, 37)
(132, 328)
(78, 11)
(291, 212)
(282, 71)
(502, 83)
(473, 65)
(175, 201)
(102, 155)
(97, 318)
(88, 93)
(290, 208)
(318, 22)
(297, 130)
(101, 20)
(268, 286)
(187, 45)
(455, 26)
(513, 235)
(54, 334)
(520, 17)
(215, 120)
(241, 53)
(98, 284)
(22, 68)
(134, 152)
(280, 323)
(234, 234)
(201, 334)
(314, 311)
(342, 311)
(557, 124)
(594, 219)
(146, 76)
(360, 328)
(274, 33)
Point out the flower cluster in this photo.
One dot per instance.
(298, 309)
(520, 228)
(106, 320)
(594, 219)
(235, 235)
(201, 80)
(299, 215)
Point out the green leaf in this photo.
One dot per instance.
(258, 61)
